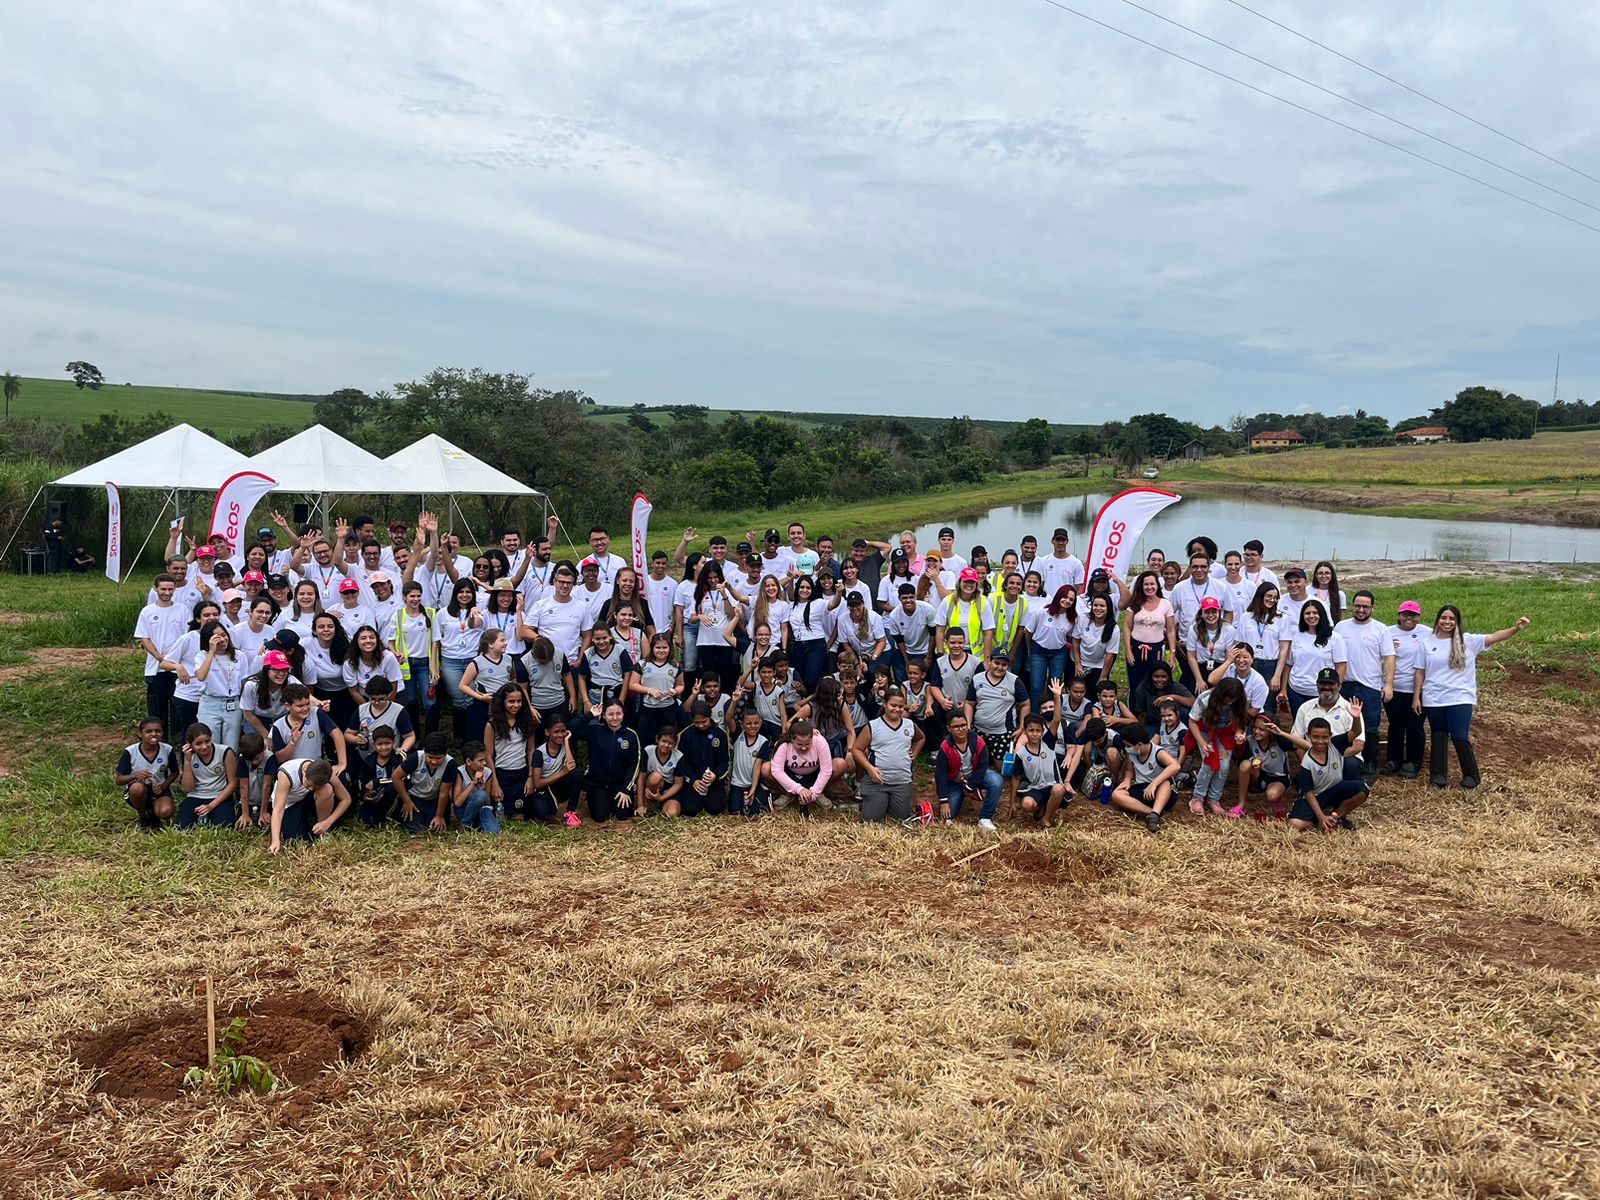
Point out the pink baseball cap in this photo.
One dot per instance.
(378, 577)
(969, 574)
(232, 594)
(349, 585)
(1209, 603)
(205, 552)
(1411, 606)
(254, 577)
(276, 659)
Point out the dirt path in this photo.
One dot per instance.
(1522, 506)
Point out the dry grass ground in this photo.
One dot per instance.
(792, 1009)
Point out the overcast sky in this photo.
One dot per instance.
(985, 206)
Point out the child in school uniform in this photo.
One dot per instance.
(430, 784)
(704, 762)
(1325, 797)
(145, 773)
(381, 710)
(381, 782)
(209, 778)
(256, 772)
(474, 799)
(1266, 767)
(1037, 777)
(1147, 774)
(308, 799)
(658, 779)
(554, 772)
(747, 792)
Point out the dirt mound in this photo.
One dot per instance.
(297, 1034)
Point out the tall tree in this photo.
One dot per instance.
(12, 383)
(85, 375)
(1479, 412)
(1132, 447)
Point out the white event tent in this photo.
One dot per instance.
(317, 463)
(182, 459)
(438, 467)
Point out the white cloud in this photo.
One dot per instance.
(866, 206)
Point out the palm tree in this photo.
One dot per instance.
(13, 388)
(1132, 447)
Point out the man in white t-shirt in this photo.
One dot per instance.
(953, 562)
(1189, 593)
(1060, 569)
(600, 551)
(1255, 571)
(562, 617)
(1292, 599)
(660, 591)
(591, 592)
(909, 626)
(158, 628)
(1369, 673)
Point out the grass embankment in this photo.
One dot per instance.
(801, 1009)
(1551, 479)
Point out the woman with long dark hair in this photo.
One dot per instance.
(718, 609)
(326, 654)
(1305, 653)
(1150, 631)
(1095, 643)
(1049, 633)
(458, 628)
(1259, 625)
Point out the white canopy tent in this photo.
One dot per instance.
(182, 459)
(440, 467)
(318, 463)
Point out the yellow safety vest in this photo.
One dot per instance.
(400, 640)
(1007, 630)
(974, 623)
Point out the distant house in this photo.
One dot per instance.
(1431, 433)
(1277, 439)
(1194, 451)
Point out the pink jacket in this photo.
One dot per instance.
(819, 759)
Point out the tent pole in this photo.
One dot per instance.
(170, 498)
(462, 517)
(6, 554)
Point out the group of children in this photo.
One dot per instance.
(764, 680)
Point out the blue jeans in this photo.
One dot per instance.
(477, 813)
(810, 655)
(1453, 720)
(224, 718)
(1371, 716)
(1209, 784)
(989, 781)
(415, 693)
(452, 669)
(1044, 665)
(691, 648)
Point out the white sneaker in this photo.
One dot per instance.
(987, 826)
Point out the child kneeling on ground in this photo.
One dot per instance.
(1037, 776)
(210, 781)
(475, 790)
(307, 800)
(145, 773)
(801, 768)
(1326, 797)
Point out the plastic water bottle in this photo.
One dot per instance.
(1008, 764)
(1105, 790)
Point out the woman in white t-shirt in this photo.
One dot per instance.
(458, 629)
(1306, 652)
(1447, 691)
(772, 610)
(685, 629)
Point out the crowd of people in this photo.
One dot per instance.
(307, 681)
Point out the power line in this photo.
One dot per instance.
(1424, 95)
(1432, 162)
(1363, 107)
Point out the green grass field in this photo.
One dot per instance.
(220, 412)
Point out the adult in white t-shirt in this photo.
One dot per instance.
(1369, 675)
(1059, 568)
(563, 618)
(1447, 691)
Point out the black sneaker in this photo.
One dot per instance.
(1390, 768)
(1153, 822)
(1347, 823)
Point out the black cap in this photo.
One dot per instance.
(947, 532)
(1099, 573)
(1327, 675)
(855, 597)
(999, 654)
(744, 547)
(898, 554)
(1059, 533)
(1300, 571)
(286, 639)
(773, 535)
(862, 542)
(277, 581)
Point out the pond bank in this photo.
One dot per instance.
(1546, 505)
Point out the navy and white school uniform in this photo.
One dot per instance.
(211, 779)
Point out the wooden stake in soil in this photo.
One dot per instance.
(211, 1026)
(977, 854)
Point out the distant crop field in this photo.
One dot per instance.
(1548, 458)
(220, 412)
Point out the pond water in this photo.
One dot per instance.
(1303, 534)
